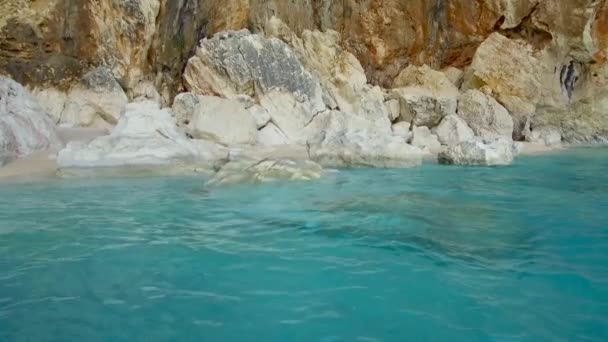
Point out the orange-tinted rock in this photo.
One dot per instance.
(56, 41)
(600, 32)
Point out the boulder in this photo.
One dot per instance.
(97, 101)
(341, 75)
(402, 129)
(485, 115)
(349, 140)
(288, 114)
(221, 120)
(145, 91)
(455, 75)
(271, 135)
(550, 136)
(394, 109)
(508, 67)
(24, 126)
(270, 152)
(479, 151)
(52, 101)
(424, 139)
(266, 170)
(453, 130)
(511, 69)
(260, 115)
(371, 105)
(183, 108)
(436, 82)
(422, 108)
(144, 136)
(233, 63)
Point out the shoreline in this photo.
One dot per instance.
(41, 166)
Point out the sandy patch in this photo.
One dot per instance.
(528, 148)
(41, 164)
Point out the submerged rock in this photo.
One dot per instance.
(144, 135)
(266, 170)
(24, 126)
(479, 151)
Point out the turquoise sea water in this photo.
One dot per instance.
(435, 253)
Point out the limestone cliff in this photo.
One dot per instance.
(54, 41)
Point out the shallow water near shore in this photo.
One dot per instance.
(435, 253)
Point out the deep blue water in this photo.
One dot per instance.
(435, 253)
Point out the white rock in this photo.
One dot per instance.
(453, 130)
(402, 129)
(24, 126)
(510, 68)
(271, 135)
(266, 170)
(455, 75)
(222, 120)
(246, 100)
(433, 81)
(97, 101)
(289, 114)
(52, 102)
(260, 115)
(424, 139)
(349, 140)
(549, 136)
(145, 91)
(422, 108)
(275, 152)
(394, 109)
(184, 106)
(144, 135)
(371, 104)
(341, 75)
(485, 115)
(479, 151)
(233, 63)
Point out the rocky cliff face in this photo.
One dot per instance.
(562, 43)
(55, 41)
